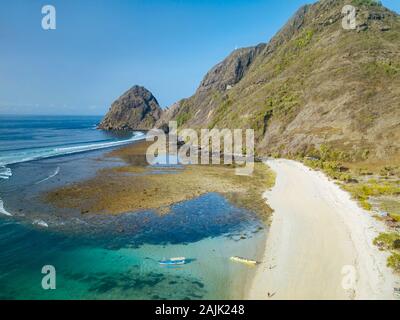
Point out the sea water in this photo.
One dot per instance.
(108, 257)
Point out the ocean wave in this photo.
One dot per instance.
(5, 173)
(2, 210)
(40, 223)
(50, 176)
(41, 153)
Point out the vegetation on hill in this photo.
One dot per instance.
(313, 84)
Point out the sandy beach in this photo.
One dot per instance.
(320, 242)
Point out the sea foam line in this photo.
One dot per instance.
(96, 146)
(50, 176)
(5, 173)
(2, 210)
(40, 223)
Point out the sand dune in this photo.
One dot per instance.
(320, 242)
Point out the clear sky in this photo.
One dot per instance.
(103, 47)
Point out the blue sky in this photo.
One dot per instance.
(103, 47)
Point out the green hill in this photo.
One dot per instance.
(313, 84)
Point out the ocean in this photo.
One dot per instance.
(108, 257)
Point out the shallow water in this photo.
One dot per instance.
(91, 268)
(113, 257)
(115, 264)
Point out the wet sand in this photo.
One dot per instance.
(136, 186)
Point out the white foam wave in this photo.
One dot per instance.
(41, 153)
(5, 172)
(50, 176)
(2, 210)
(40, 223)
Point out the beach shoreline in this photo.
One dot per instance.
(319, 245)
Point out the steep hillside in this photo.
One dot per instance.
(136, 109)
(314, 83)
(223, 77)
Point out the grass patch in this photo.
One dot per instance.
(392, 207)
(291, 53)
(381, 68)
(363, 191)
(182, 118)
(305, 39)
(394, 262)
(330, 161)
(220, 113)
(390, 242)
(333, 169)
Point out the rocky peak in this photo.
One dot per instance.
(369, 14)
(230, 71)
(136, 109)
(289, 30)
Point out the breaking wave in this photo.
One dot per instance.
(2, 210)
(26, 155)
(5, 173)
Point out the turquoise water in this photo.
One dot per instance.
(97, 265)
(103, 257)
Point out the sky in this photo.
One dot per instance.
(101, 48)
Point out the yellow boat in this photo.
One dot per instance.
(248, 262)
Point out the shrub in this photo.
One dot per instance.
(182, 118)
(387, 241)
(394, 262)
(305, 39)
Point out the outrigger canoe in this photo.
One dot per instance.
(173, 261)
(244, 261)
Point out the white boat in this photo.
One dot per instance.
(173, 261)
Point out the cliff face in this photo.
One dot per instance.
(219, 80)
(230, 71)
(136, 109)
(314, 83)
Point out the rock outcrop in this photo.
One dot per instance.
(230, 71)
(136, 109)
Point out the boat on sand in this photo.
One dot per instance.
(245, 261)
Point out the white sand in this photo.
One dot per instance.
(317, 233)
